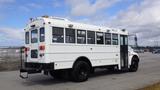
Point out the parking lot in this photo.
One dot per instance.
(148, 73)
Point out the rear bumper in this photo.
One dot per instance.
(31, 68)
(40, 66)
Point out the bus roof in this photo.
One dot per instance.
(62, 22)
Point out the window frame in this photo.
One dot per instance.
(126, 40)
(27, 40)
(36, 36)
(117, 39)
(60, 34)
(42, 38)
(74, 35)
(94, 33)
(121, 41)
(102, 38)
(81, 36)
(106, 38)
(34, 53)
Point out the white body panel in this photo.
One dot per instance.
(65, 55)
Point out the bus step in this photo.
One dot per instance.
(22, 71)
(26, 72)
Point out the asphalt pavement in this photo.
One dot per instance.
(148, 73)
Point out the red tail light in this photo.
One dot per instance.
(41, 47)
(26, 49)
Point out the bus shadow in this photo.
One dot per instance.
(42, 80)
(104, 72)
(48, 80)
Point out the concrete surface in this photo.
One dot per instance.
(148, 73)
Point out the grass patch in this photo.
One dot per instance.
(9, 65)
(152, 87)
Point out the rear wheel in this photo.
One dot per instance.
(134, 65)
(80, 71)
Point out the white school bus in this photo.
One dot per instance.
(54, 45)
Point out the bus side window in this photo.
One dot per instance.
(108, 38)
(90, 37)
(70, 35)
(100, 39)
(81, 36)
(115, 39)
(42, 34)
(27, 37)
(57, 35)
(126, 40)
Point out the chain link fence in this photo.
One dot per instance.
(10, 58)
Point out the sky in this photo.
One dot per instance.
(140, 17)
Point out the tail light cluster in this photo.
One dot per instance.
(26, 51)
(41, 48)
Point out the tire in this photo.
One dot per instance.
(56, 74)
(80, 71)
(134, 65)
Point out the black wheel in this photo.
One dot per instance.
(80, 71)
(134, 65)
(57, 74)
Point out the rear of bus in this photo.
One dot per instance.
(35, 46)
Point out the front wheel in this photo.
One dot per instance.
(80, 71)
(134, 65)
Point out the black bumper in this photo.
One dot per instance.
(31, 68)
(40, 66)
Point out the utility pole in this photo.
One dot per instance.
(156, 43)
(136, 41)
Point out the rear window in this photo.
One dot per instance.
(42, 35)
(34, 53)
(27, 37)
(34, 36)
